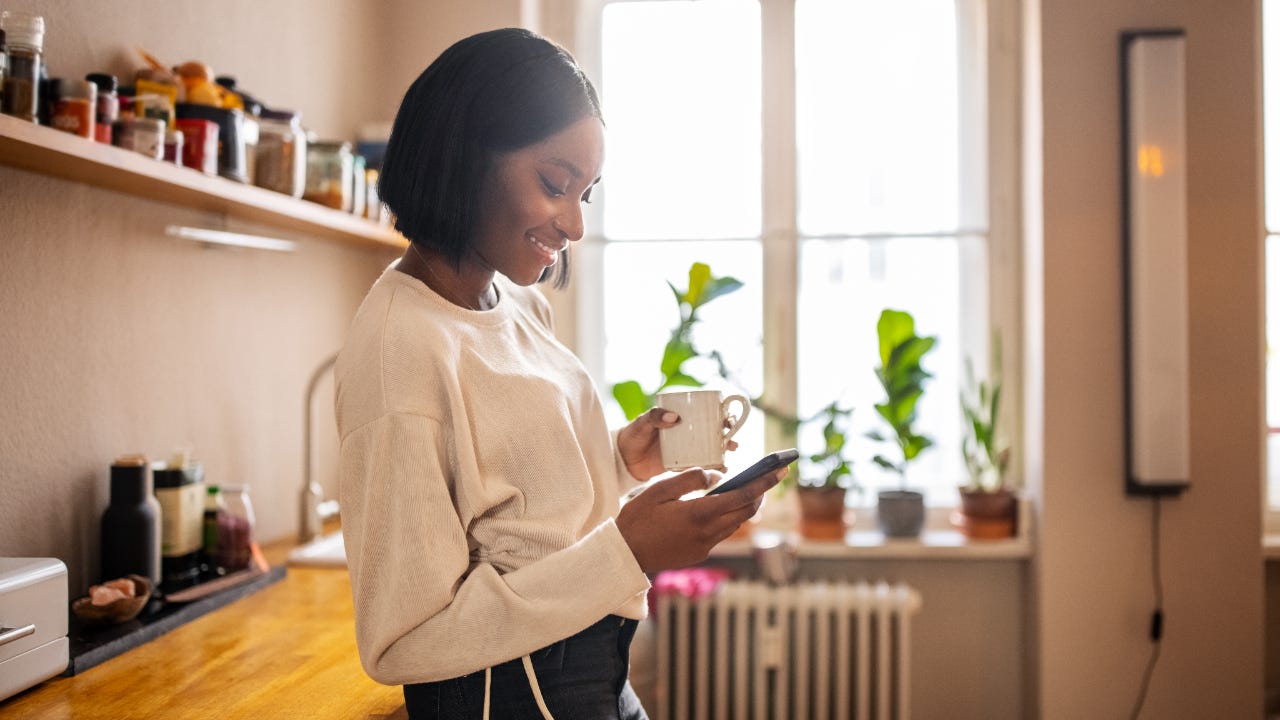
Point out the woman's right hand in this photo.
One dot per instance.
(665, 532)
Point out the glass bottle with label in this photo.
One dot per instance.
(213, 509)
(180, 491)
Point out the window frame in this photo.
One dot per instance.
(993, 149)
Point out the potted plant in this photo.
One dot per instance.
(703, 288)
(988, 505)
(823, 486)
(901, 511)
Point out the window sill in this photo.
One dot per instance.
(939, 541)
(873, 545)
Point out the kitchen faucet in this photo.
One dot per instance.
(314, 509)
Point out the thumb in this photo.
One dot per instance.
(659, 418)
(672, 488)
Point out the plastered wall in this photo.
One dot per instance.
(117, 339)
(1093, 589)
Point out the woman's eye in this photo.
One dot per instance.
(586, 197)
(551, 189)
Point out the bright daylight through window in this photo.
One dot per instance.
(889, 210)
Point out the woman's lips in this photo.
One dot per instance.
(549, 253)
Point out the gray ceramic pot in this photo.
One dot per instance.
(901, 513)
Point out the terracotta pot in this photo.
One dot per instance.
(987, 515)
(822, 512)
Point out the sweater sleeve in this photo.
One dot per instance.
(424, 610)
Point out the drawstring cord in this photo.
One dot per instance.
(533, 685)
(537, 691)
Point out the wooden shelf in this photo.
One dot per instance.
(58, 154)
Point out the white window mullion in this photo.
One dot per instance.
(780, 238)
(1002, 128)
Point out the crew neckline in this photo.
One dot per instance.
(496, 314)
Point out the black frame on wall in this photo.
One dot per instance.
(1154, 262)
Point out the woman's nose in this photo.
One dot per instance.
(570, 224)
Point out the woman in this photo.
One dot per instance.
(492, 569)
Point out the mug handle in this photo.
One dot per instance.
(736, 422)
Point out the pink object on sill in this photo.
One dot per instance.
(692, 583)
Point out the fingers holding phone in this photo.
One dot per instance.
(665, 532)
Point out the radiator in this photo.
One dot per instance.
(810, 651)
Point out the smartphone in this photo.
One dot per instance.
(765, 465)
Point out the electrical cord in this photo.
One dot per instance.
(1157, 615)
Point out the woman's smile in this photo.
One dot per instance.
(549, 253)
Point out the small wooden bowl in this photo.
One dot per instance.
(119, 611)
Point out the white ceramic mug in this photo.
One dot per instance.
(705, 426)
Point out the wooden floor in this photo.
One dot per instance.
(287, 651)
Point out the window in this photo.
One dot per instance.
(856, 182)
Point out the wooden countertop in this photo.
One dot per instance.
(288, 650)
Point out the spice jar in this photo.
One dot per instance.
(107, 108)
(329, 180)
(282, 153)
(24, 40)
(144, 135)
(173, 139)
(75, 109)
(235, 529)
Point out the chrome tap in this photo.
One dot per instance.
(314, 509)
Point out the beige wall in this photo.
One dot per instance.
(1093, 573)
(119, 339)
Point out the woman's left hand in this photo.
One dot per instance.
(638, 443)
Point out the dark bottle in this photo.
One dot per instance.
(131, 523)
(209, 550)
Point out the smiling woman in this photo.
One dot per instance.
(480, 483)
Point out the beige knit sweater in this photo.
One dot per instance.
(478, 485)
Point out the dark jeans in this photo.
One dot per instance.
(583, 677)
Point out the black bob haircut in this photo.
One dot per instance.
(488, 94)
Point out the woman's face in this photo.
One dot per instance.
(531, 200)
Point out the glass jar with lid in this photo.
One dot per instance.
(282, 153)
(24, 40)
(329, 174)
(235, 529)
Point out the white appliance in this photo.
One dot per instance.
(33, 622)
(821, 651)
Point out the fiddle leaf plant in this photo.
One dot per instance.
(703, 287)
(902, 377)
(985, 456)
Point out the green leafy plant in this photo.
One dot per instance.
(834, 469)
(985, 456)
(902, 377)
(703, 288)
